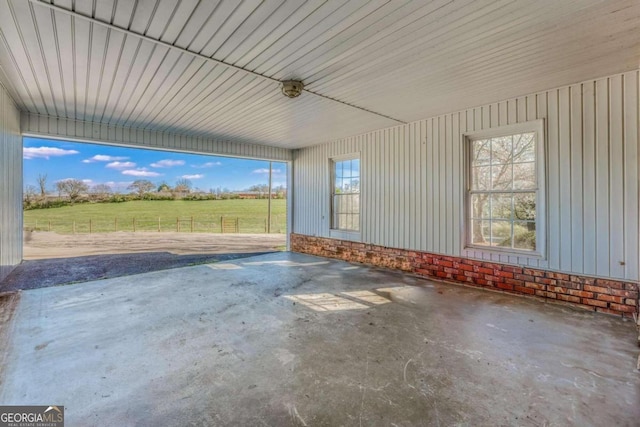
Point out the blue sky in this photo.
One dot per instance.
(118, 167)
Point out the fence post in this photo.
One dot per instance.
(178, 225)
(221, 227)
(134, 224)
(158, 224)
(115, 224)
(265, 225)
(192, 224)
(49, 225)
(90, 226)
(237, 225)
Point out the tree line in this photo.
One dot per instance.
(70, 191)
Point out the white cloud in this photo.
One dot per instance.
(195, 176)
(87, 181)
(265, 170)
(140, 172)
(121, 165)
(45, 152)
(206, 165)
(103, 158)
(167, 163)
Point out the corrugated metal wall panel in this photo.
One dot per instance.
(413, 189)
(10, 185)
(51, 127)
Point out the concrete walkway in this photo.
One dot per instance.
(292, 340)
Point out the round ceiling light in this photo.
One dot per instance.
(292, 88)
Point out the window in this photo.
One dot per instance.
(345, 197)
(505, 190)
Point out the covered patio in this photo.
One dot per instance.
(463, 210)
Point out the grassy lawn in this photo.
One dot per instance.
(148, 215)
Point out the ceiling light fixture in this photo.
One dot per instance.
(292, 88)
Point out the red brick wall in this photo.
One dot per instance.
(595, 294)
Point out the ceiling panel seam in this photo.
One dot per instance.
(59, 56)
(29, 59)
(8, 82)
(199, 55)
(36, 29)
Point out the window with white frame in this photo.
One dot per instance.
(345, 194)
(505, 193)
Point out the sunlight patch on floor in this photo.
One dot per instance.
(367, 296)
(352, 300)
(287, 263)
(224, 266)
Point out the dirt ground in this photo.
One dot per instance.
(45, 245)
(52, 259)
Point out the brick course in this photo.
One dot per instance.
(617, 297)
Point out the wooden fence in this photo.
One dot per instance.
(223, 224)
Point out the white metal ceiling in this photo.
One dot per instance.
(401, 59)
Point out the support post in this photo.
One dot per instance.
(269, 198)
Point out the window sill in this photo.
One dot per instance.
(354, 236)
(506, 252)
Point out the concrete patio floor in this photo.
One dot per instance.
(287, 339)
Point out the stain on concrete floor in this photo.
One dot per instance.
(8, 304)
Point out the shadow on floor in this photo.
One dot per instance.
(62, 271)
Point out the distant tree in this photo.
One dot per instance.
(30, 192)
(142, 187)
(101, 191)
(261, 188)
(42, 183)
(182, 186)
(281, 192)
(163, 187)
(72, 188)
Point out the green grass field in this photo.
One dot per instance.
(149, 215)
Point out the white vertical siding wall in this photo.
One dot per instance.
(10, 185)
(55, 127)
(412, 179)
